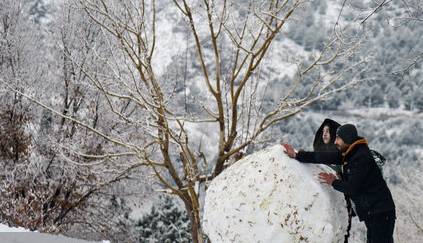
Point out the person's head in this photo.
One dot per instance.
(324, 137)
(326, 134)
(345, 136)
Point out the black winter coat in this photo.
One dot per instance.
(362, 181)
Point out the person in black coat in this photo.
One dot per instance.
(324, 140)
(361, 180)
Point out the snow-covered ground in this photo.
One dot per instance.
(20, 235)
(268, 197)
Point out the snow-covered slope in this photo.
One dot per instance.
(20, 235)
(268, 197)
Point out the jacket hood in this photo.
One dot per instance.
(318, 144)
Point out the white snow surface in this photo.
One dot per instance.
(268, 197)
(21, 235)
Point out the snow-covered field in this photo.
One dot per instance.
(20, 235)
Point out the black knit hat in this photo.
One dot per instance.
(348, 133)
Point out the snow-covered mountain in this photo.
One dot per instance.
(392, 120)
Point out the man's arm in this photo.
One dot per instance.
(332, 157)
(327, 157)
(357, 174)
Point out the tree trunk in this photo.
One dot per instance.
(194, 217)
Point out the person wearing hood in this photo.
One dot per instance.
(361, 181)
(324, 140)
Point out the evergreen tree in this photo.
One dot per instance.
(166, 223)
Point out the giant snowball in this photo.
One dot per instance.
(268, 197)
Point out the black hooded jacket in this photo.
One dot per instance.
(362, 181)
(318, 144)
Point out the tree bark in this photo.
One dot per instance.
(194, 217)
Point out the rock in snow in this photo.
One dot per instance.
(268, 197)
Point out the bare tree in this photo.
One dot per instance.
(44, 187)
(231, 41)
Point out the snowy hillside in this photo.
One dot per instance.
(115, 66)
(268, 197)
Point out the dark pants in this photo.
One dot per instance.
(350, 215)
(380, 228)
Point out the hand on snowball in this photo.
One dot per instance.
(327, 178)
(289, 150)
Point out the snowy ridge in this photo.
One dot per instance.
(268, 197)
